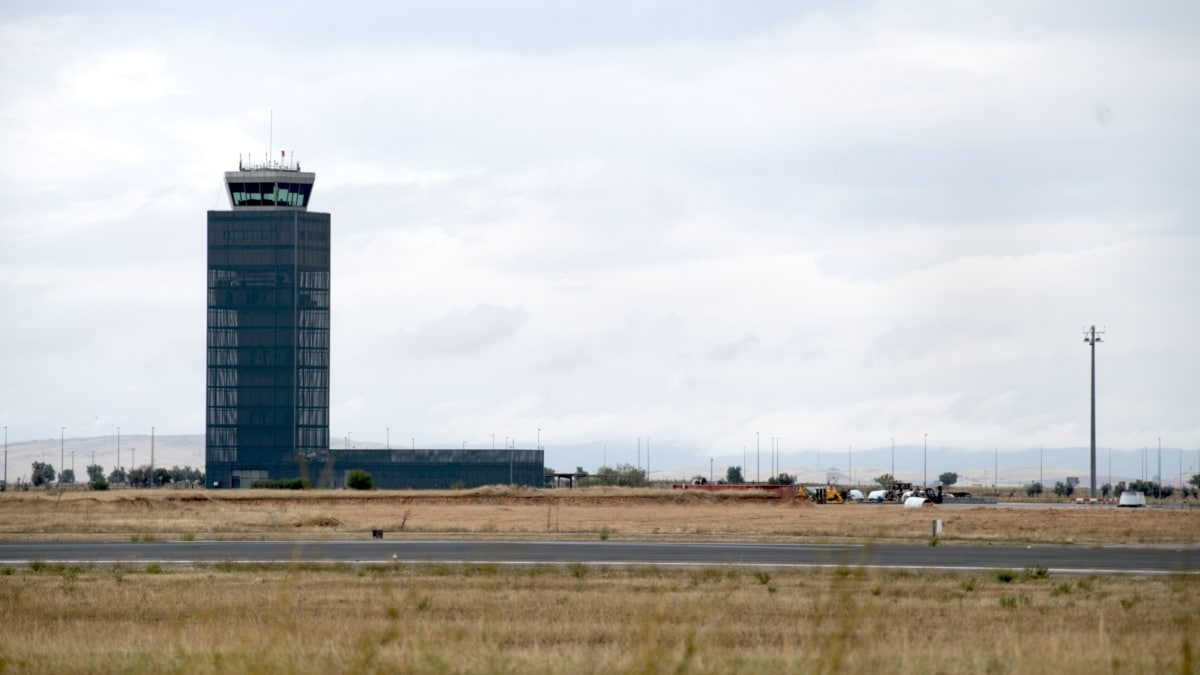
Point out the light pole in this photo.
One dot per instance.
(758, 461)
(647, 459)
(1042, 464)
(849, 466)
(710, 470)
(118, 448)
(414, 443)
(62, 456)
(893, 460)
(151, 456)
(493, 441)
(925, 467)
(388, 431)
(1091, 337)
(996, 469)
(1158, 479)
(5, 456)
(539, 438)
(346, 443)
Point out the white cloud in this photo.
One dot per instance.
(834, 226)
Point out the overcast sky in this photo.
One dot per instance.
(835, 223)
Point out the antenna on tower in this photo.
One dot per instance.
(271, 135)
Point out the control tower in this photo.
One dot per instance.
(267, 393)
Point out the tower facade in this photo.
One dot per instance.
(267, 393)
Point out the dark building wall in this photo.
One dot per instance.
(404, 469)
(268, 342)
(439, 469)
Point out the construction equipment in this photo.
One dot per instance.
(827, 494)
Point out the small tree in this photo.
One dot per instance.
(95, 472)
(1063, 489)
(1106, 490)
(1195, 480)
(734, 475)
(948, 478)
(1034, 489)
(360, 480)
(66, 476)
(42, 474)
(887, 481)
(624, 475)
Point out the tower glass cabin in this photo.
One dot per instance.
(267, 393)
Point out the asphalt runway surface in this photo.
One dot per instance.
(1083, 560)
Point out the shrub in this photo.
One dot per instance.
(360, 480)
(299, 483)
(99, 485)
(1005, 576)
(1038, 571)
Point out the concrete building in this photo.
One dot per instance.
(268, 328)
(268, 336)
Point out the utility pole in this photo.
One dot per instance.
(925, 468)
(62, 456)
(151, 456)
(893, 461)
(1091, 337)
(6, 457)
(1158, 480)
(758, 461)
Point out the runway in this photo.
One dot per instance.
(1106, 560)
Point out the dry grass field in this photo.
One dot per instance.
(575, 619)
(581, 513)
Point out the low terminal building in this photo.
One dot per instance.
(395, 469)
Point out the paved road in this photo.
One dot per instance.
(1061, 559)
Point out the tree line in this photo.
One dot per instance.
(43, 474)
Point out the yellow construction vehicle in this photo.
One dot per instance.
(827, 494)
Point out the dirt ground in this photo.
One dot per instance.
(581, 513)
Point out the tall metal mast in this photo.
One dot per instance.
(1092, 336)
